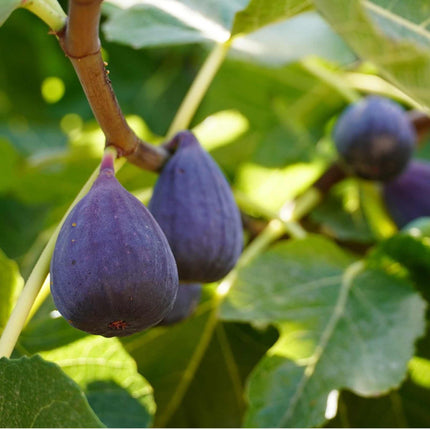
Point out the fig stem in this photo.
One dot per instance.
(108, 159)
(27, 298)
(48, 11)
(198, 89)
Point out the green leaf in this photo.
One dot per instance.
(190, 21)
(198, 367)
(270, 188)
(10, 285)
(406, 407)
(35, 393)
(287, 41)
(6, 8)
(378, 32)
(404, 252)
(8, 165)
(108, 375)
(16, 232)
(331, 314)
(220, 129)
(215, 397)
(262, 12)
(341, 216)
(173, 22)
(169, 357)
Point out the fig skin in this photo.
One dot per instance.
(193, 204)
(375, 138)
(112, 271)
(187, 299)
(407, 196)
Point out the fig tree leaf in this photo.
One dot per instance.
(36, 393)
(215, 396)
(171, 22)
(341, 216)
(405, 252)
(259, 13)
(150, 24)
(268, 45)
(341, 325)
(108, 376)
(169, 357)
(8, 165)
(379, 32)
(11, 284)
(6, 8)
(198, 367)
(267, 187)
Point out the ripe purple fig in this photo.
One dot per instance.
(194, 205)
(407, 196)
(375, 138)
(112, 271)
(186, 301)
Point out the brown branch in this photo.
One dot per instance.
(421, 122)
(80, 42)
(334, 174)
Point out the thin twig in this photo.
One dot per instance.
(80, 42)
(421, 122)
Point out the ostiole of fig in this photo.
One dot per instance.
(193, 204)
(112, 270)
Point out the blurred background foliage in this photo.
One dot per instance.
(266, 120)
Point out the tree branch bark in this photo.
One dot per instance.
(80, 42)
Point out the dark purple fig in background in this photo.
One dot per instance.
(187, 299)
(194, 205)
(112, 272)
(375, 138)
(407, 197)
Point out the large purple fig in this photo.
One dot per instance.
(112, 272)
(375, 138)
(407, 197)
(194, 205)
(186, 301)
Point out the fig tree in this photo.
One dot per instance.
(375, 138)
(193, 203)
(112, 271)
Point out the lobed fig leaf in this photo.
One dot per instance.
(194, 205)
(186, 301)
(406, 197)
(112, 271)
(375, 138)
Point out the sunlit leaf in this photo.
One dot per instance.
(221, 129)
(108, 376)
(380, 32)
(318, 299)
(36, 393)
(262, 12)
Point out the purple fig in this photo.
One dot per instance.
(112, 271)
(407, 196)
(375, 138)
(186, 301)
(194, 205)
